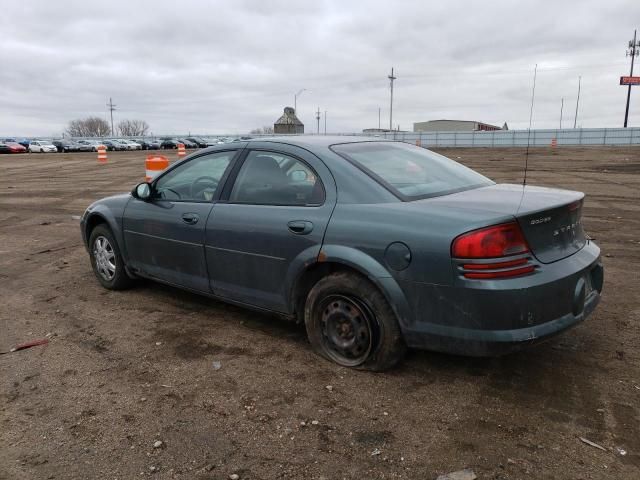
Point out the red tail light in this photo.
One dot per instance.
(491, 242)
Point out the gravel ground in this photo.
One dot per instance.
(125, 370)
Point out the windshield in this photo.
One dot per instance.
(410, 172)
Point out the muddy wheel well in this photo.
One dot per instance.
(309, 278)
(93, 222)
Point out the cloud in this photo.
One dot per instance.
(228, 67)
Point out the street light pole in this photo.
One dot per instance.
(112, 107)
(575, 118)
(391, 79)
(633, 51)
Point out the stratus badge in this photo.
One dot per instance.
(538, 221)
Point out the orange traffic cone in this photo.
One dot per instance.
(102, 154)
(154, 165)
(181, 151)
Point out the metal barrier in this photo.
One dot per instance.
(519, 138)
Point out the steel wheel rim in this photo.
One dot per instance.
(105, 258)
(346, 327)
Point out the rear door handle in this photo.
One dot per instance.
(190, 218)
(300, 227)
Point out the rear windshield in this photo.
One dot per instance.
(410, 172)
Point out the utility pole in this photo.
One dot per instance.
(391, 79)
(295, 100)
(561, 107)
(575, 119)
(325, 122)
(632, 52)
(112, 107)
(318, 119)
(379, 118)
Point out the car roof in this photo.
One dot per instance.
(316, 140)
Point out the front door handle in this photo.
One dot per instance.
(300, 227)
(190, 218)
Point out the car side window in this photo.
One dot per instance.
(270, 178)
(194, 181)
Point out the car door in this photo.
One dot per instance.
(272, 216)
(164, 236)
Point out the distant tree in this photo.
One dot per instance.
(266, 130)
(88, 127)
(133, 128)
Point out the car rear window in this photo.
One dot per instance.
(410, 172)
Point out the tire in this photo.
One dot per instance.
(350, 322)
(106, 259)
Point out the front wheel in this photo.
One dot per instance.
(349, 322)
(106, 260)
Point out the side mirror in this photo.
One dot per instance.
(142, 191)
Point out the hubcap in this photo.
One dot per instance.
(346, 330)
(105, 258)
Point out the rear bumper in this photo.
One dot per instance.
(495, 318)
(487, 343)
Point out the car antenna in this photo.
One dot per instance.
(526, 155)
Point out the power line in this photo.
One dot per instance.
(632, 52)
(391, 79)
(112, 107)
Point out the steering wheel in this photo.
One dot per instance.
(166, 189)
(212, 185)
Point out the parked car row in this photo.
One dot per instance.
(66, 145)
(190, 142)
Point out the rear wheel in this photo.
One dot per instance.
(349, 322)
(106, 260)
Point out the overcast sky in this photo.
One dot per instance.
(213, 67)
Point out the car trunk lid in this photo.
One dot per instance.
(551, 219)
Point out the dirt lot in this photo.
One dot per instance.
(125, 369)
